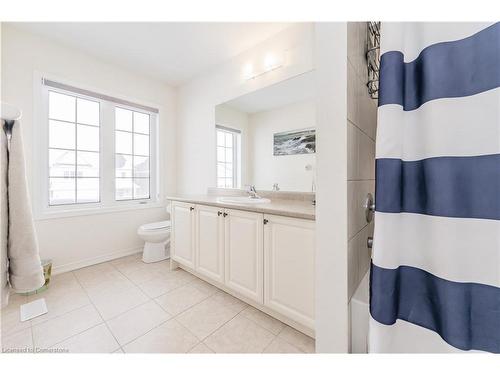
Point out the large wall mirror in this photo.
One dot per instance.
(267, 138)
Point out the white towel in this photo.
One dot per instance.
(25, 270)
(4, 284)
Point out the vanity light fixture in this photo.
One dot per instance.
(248, 71)
(272, 61)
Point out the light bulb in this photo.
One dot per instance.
(248, 71)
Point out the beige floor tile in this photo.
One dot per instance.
(281, 346)
(264, 320)
(136, 322)
(58, 329)
(298, 339)
(111, 304)
(17, 299)
(100, 270)
(11, 320)
(201, 348)
(165, 283)
(60, 302)
(170, 337)
(163, 266)
(20, 342)
(240, 335)
(102, 277)
(205, 317)
(138, 271)
(229, 301)
(204, 286)
(63, 281)
(182, 298)
(95, 340)
(128, 259)
(140, 276)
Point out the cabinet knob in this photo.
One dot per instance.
(191, 208)
(219, 213)
(225, 214)
(266, 221)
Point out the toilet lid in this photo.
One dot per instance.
(158, 225)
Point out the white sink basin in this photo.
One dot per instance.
(245, 200)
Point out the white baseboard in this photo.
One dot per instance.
(92, 261)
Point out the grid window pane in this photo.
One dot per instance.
(141, 188)
(221, 138)
(87, 138)
(87, 190)
(61, 106)
(141, 144)
(74, 147)
(123, 188)
(87, 112)
(141, 123)
(229, 155)
(229, 140)
(123, 119)
(61, 163)
(221, 154)
(141, 166)
(123, 165)
(221, 169)
(61, 134)
(123, 142)
(228, 170)
(132, 171)
(87, 165)
(226, 155)
(62, 191)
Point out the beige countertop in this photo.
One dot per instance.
(284, 207)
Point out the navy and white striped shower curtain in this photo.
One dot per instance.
(435, 276)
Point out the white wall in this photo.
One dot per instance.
(235, 119)
(286, 170)
(332, 324)
(76, 241)
(198, 98)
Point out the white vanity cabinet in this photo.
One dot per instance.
(209, 242)
(183, 235)
(289, 267)
(265, 259)
(244, 253)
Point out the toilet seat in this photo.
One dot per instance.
(156, 226)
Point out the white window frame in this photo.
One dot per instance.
(108, 203)
(236, 155)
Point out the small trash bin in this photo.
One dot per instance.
(47, 272)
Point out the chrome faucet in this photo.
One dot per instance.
(252, 192)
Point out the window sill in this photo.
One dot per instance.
(56, 213)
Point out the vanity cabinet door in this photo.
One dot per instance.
(244, 253)
(289, 259)
(209, 242)
(183, 220)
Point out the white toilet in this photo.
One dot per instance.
(157, 240)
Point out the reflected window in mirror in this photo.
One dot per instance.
(228, 157)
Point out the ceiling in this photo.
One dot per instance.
(292, 90)
(172, 52)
